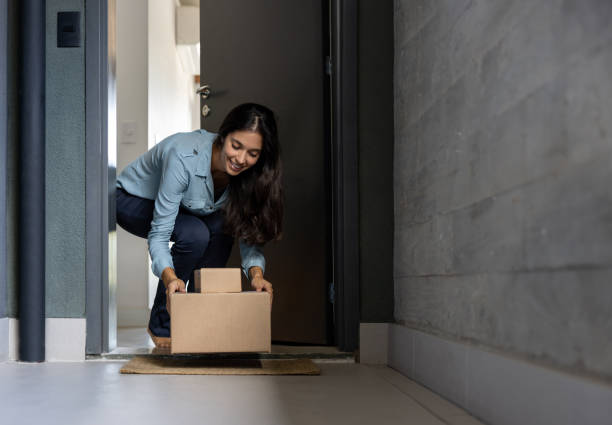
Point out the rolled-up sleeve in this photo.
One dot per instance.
(252, 256)
(173, 183)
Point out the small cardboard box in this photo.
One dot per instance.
(217, 280)
(220, 323)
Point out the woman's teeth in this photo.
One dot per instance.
(235, 167)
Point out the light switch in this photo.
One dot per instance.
(69, 29)
(129, 131)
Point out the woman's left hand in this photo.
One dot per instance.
(260, 284)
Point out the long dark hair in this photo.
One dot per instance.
(254, 210)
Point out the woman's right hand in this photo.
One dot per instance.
(175, 285)
(172, 283)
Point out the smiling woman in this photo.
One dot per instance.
(201, 190)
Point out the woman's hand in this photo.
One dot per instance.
(172, 283)
(259, 283)
(176, 285)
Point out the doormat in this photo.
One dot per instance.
(200, 366)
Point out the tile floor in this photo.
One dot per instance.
(133, 338)
(93, 392)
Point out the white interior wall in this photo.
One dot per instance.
(155, 98)
(132, 141)
(171, 90)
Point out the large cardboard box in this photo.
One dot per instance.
(217, 280)
(220, 323)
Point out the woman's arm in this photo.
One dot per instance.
(172, 185)
(252, 256)
(253, 265)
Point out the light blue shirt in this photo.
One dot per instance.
(176, 172)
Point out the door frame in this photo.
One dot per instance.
(4, 54)
(345, 173)
(100, 223)
(100, 176)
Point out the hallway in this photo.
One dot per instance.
(468, 242)
(94, 392)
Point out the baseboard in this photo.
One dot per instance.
(64, 339)
(499, 390)
(4, 339)
(132, 317)
(13, 339)
(373, 343)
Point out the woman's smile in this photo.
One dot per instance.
(234, 166)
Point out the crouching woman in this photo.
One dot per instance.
(201, 190)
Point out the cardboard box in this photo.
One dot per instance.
(220, 323)
(217, 280)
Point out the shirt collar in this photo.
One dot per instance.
(204, 151)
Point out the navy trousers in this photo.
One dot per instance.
(198, 242)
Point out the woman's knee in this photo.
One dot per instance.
(134, 214)
(190, 235)
(215, 222)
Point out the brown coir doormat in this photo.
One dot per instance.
(199, 366)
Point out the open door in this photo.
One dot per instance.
(273, 52)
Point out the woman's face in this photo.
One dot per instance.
(241, 150)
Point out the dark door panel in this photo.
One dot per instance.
(271, 52)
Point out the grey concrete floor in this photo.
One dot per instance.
(94, 392)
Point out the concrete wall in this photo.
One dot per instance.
(65, 169)
(375, 103)
(503, 143)
(132, 136)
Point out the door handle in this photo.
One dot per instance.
(204, 91)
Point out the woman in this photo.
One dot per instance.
(201, 190)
